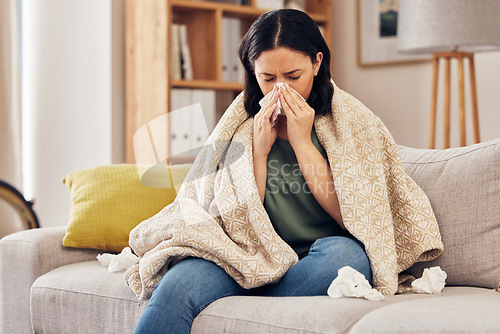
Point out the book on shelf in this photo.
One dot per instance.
(191, 119)
(187, 67)
(182, 67)
(270, 4)
(277, 4)
(232, 69)
(233, 2)
(225, 54)
(175, 50)
(296, 4)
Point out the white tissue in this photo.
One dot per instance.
(432, 281)
(279, 109)
(351, 283)
(119, 262)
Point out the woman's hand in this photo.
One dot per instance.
(264, 133)
(299, 117)
(264, 136)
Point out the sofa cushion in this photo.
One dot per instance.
(463, 186)
(318, 314)
(83, 298)
(322, 314)
(449, 313)
(107, 202)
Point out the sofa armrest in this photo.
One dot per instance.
(25, 256)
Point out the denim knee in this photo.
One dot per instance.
(343, 251)
(194, 283)
(329, 244)
(185, 290)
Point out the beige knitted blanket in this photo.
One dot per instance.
(218, 215)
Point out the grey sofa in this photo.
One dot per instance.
(47, 288)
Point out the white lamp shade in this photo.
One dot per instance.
(426, 26)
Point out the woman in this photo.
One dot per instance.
(292, 175)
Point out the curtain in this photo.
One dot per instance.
(10, 111)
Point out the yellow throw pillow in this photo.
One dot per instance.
(107, 202)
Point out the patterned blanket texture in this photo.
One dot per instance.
(217, 214)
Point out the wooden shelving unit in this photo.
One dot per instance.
(147, 31)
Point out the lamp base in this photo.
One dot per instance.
(447, 56)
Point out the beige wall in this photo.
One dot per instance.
(72, 96)
(400, 94)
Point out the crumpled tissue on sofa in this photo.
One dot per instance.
(118, 262)
(351, 283)
(432, 281)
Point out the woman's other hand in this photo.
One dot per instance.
(264, 133)
(299, 117)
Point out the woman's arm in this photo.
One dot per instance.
(260, 171)
(319, 179)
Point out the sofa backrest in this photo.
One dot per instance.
(463, 186)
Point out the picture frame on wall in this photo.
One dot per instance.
(377, 34)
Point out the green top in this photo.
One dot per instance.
(294, 212)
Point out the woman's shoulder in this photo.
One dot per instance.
(346, 107)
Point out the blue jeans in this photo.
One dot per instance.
(192, 284)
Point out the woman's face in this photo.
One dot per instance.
(288, 66)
